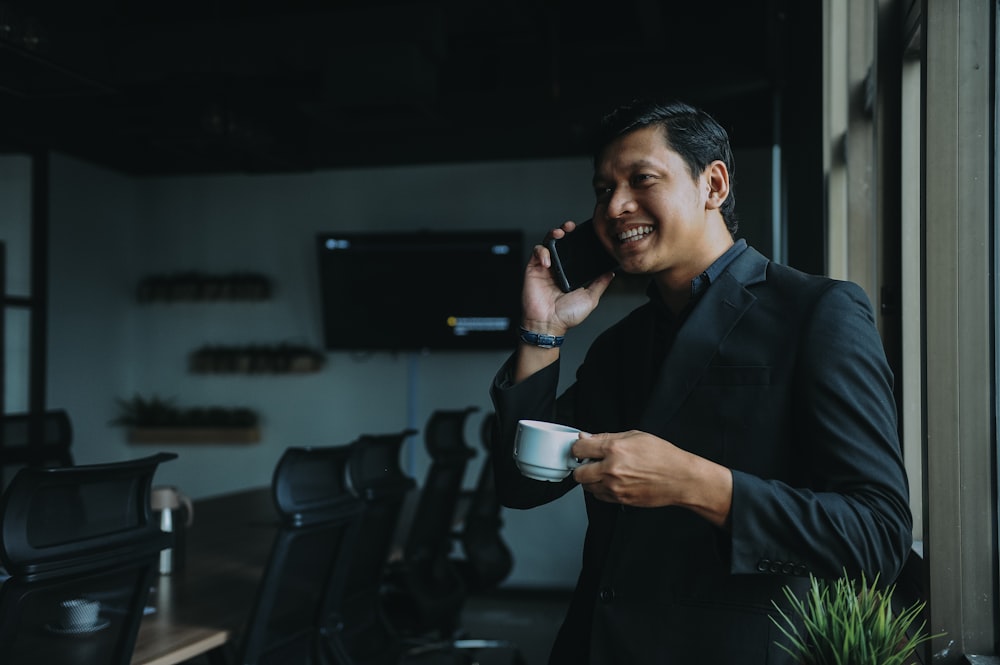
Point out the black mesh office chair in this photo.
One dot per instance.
(28, 439)
(426, 593)
(297, 614)
(376, 477)
(82, 535)
(487, 558)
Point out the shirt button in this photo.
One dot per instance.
(607, 594)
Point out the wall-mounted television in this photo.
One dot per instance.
(434, 290)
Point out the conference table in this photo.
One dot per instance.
(205, 604)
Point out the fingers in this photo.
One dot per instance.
(541, 252)
(590, 446)
(592, 474)
(600, 492)
(560, 231)
(541, 256)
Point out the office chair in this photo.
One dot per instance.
(425, 592)
(376, 477)
(297, 612)
(428, 593)
(488, 560)
(28, 439)
(79, 535)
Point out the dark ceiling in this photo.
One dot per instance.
(200, 86)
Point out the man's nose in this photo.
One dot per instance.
(621, 202)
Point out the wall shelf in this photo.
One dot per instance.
(193, 435)
(196, 286)
(156, 420)
(257, 359)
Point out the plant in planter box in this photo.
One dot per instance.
(843, 622)
(155, 412)
(146, 412)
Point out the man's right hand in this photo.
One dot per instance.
(547, 310)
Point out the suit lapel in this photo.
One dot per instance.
(711, 321)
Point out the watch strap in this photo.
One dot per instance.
(541, 340)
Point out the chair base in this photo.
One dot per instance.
(460, 651)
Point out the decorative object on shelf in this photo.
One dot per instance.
(848, 622)
(254, 359)
(193, 286)
(157, 420)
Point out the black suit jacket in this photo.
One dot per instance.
(781, 377)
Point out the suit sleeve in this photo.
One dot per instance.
(850, 509)
(535, 399)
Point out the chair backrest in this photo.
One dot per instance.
(29, 439)
(488, 559)
(376, 476)
(297, 611)
(429, 537)
(378, 479)
(434, 589)
(83, 534)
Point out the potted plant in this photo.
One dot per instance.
(844, 622)
(156, 420)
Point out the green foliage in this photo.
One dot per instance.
(157, 412)
(843, 623)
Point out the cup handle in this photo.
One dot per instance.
(574, 462)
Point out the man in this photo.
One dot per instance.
(742, 421)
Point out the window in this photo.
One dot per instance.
(937, 91)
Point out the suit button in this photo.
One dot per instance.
(787, 569)
(763, 565)
(775, 567)
(607, 594)
(801, 570)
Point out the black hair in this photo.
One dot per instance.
(690, 132)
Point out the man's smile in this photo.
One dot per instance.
(634, 234)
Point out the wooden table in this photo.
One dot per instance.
(205, 604)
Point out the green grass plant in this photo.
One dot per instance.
(843, 622)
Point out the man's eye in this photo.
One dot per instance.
(642, 178)
(602, 193)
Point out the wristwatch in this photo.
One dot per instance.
(541, 340)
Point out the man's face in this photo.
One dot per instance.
(650, 213)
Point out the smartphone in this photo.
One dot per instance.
(579, 258)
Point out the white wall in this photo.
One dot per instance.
(108, 231)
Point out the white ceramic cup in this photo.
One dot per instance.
(78, 613)
(542, 450)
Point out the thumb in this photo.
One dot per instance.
(600, 285)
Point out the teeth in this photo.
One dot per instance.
(635, 233)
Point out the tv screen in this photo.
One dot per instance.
(444, 290)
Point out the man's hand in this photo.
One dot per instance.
(547, 310)
(639, 469)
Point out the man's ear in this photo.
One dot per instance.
(717, 177)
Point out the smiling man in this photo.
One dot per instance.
(742, 422)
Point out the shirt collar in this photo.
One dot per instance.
(712, 272)
(701, 283)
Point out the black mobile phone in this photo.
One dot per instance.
(579, 258)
